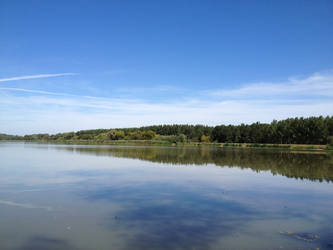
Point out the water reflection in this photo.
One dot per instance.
(64, 197)
(170, 217)
(299, 165)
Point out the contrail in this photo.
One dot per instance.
(52, 93)
(36, 91)
(34, 77)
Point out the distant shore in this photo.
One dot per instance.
(312, 133)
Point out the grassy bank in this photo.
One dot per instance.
(266, 146)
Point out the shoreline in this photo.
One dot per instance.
(291, 147)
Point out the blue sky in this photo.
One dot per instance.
(70, 65)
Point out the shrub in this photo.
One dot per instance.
(205, 138)
(181, 138)
(330, 140)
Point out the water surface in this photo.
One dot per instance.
(108, 197)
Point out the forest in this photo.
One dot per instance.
(311, 130)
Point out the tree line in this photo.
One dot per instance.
(312, 130)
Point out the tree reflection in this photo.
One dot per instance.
(299, 165)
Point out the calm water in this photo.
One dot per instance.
(104, 197)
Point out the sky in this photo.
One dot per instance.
(72, 65)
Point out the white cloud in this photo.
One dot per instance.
(41, 111)
(35, 77)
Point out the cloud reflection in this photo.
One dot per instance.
(162, 216)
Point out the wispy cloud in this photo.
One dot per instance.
(35, 77)
(318, 84)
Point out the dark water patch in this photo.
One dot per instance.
(326, 237)
(172, 227)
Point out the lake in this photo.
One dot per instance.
(111, 197)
